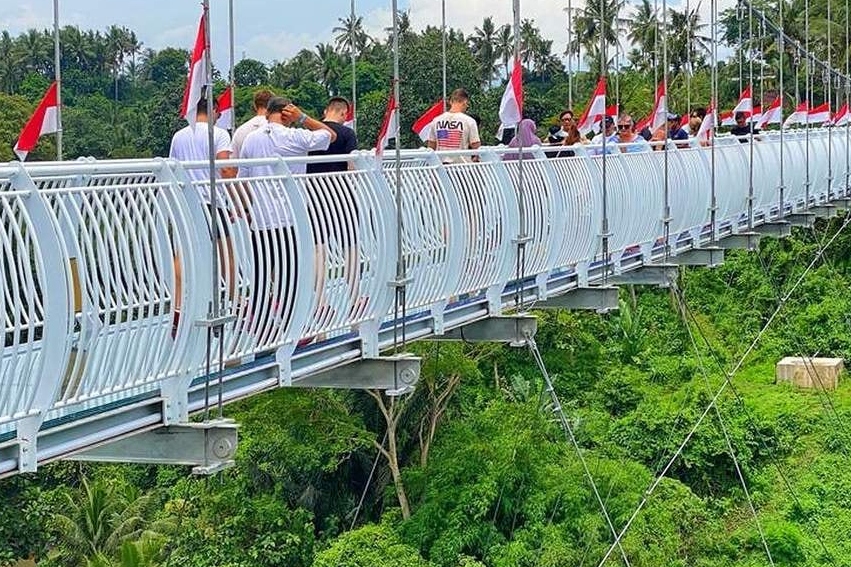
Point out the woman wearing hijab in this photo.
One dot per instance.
(526, 137)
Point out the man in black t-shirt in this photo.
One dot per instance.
(346, 142)
(743, 128)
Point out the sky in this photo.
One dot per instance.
(269, 30)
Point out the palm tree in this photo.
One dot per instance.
(9, 72)
(484, 47)
(643, 33)
(35, 51)
(100, 519)
(330, 67)
(347, 29)
(687, 48)
(590, 27)
(504, 47)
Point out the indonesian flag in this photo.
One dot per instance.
(799, 116)
(613, 111)
(424, 121)
(389, 126)
(727, 118)
(745, 102)
(349, 122)
(684, 120)
(225, 103)
(659, 116)
(511, 105)
(841, 117)
(45, 120)
(595, 109)
(194, 90)
(774, 114)
(756, 116)
(819, 114)
(707, 126)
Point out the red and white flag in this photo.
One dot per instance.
(727, 118)
(745, 102)
(659, 116)
(596, 108)
(841, 118)
(421, 126)
(819, 114)
(225, 104)
(45, 120)
(799, 116)
(196, 79)
(756, 116)
(774, 114)
(389, 126)
(349, 122)
(613, 111)
(511, 105)
(707, 125)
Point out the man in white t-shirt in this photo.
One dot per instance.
(261, 102)
(454, 129)
(193, 144)
(289, 132)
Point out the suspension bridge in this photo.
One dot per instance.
(111, 343)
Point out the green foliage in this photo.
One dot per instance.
(371, 546)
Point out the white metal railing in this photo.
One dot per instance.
(106, 266)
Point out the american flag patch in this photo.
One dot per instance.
(449, 139)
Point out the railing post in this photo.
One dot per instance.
(57, 309)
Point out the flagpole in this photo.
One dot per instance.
(443, 45)
(569, 56)
(605, 222)
(231, 78)
(521, 200)
(666, 212)
(352, 41)
(782, 188)
(57, 71)
(401, 269)
(713, 108)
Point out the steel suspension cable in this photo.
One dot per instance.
(713, 209)
(666, 212)
(728, 382)
(808, 98)
(679, 295)
(751, 124)
(829, 99)
(781, 51)
(569, 434)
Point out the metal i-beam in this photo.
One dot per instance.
(709, 256)
(649, 274)
(776, 229)
(512, 329)
(740, 241)
(397, 374)
(208, 447)
(599, 299)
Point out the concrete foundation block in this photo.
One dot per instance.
(814, 373)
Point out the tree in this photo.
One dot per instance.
(351, 28)
(504, 46)
(250, 73)
(644, 34)
(484, 47)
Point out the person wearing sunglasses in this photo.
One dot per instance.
(627, 138)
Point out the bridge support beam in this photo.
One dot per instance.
(600, 299)
(805, 220)
(649, 274)
(511, 329)
(776, 229)
(397, 374)
(842, 203)
(740, 241)
(709, 256)
(208, 447)
(825, 211)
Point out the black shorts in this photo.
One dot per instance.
(224, 223)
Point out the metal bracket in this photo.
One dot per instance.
(208, 447)
(511, 329)
(649, 274)
(397, 374)
(600, 299)
(741, 240)
(216, 321)
(709, 256)
(776, 229)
